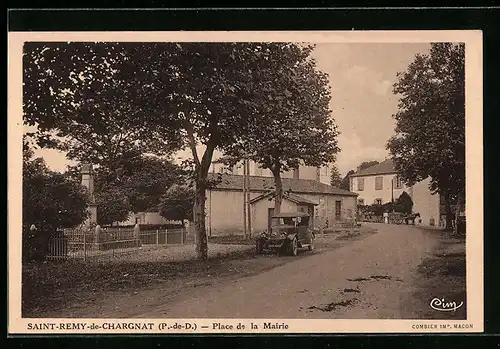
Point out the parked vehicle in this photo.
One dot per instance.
(290, 233)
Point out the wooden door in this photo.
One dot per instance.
(338, 210)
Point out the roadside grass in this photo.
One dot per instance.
(55, 285)
(443, 275)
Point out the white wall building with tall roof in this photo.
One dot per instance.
(380, 184)
(320, 174)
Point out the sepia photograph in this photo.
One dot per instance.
(245, 182)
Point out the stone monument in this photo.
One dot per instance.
(88, 181)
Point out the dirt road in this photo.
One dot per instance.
(371, 278)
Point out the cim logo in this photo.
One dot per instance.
(440, 304)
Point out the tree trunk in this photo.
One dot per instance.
(279, 191)
(449, 214)
(202, 166)
(199, 221)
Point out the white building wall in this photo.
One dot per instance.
(305, 172)
(370, 194)
(144, 218)
(424, 202)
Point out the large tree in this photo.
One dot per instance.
(429, 140)
(205, 93)
(50, 201)
(173, 96)
(292, 123)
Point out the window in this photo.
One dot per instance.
(398, 183)
(349, 213)
(378, 201)
(379, 183)
(361, 202)
(361, 184)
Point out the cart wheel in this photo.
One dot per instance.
(311, 245)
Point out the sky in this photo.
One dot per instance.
(361, 78)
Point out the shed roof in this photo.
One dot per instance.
(289, 196)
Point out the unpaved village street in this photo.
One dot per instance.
(388, 272)
(370, 278)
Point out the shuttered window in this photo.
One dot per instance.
(399, 183)
(361, 184)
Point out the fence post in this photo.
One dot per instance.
(157, 237)
(136, 235)
(166, 236)
(182, 236)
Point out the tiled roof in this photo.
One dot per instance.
(265, 184)
(292, 197)
(385, 167)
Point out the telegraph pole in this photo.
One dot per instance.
(392, 190)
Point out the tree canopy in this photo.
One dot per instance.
(50, 201)
(291, 123)
(77, 96)
(429, 140)
(108, 101)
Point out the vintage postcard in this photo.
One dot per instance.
(245, 182)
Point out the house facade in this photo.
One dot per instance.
(327, 205)
(320, 174)
(380, 184)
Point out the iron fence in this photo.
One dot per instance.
(87, 243)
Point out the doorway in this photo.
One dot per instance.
(338, 210)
